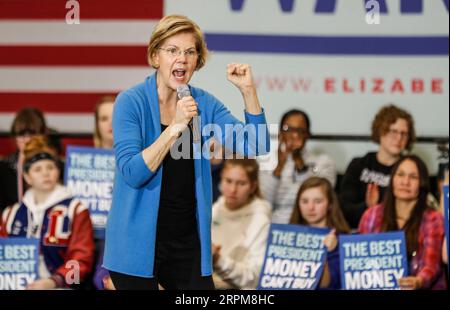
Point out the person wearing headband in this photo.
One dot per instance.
(45, 205)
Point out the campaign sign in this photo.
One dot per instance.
(446, 219)
(295, 257)
(89, 174)
(372, 261)
(19, 259)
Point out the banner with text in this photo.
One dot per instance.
(295, 257)
(19, 259)
(89, 174)
(372, 261)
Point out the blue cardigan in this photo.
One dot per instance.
(131, 227)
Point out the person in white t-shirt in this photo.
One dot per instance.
(240, 227)
(294, 166)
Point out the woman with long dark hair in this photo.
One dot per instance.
(405, 208)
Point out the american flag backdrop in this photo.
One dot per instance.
(315, 55)
(64, 69)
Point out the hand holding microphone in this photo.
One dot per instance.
(186, 112)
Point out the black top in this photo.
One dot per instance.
(177, 207)
(360, 172)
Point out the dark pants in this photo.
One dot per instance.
(177, 267)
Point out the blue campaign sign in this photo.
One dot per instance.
(373, 261)
(446, 220)
(19, 259)
(295, 257)
(89, 174)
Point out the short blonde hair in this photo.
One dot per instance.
(170, 26)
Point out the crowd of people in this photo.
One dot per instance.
(167, 230)
(385, 190)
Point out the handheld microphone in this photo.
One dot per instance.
(183, 91)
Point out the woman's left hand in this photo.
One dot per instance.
(330, 240)
(42, 284)
(410, 283)
(241, 76)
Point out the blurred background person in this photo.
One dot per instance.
(366, 178)
(294, 165)
(240, 227)
(103, 133)
(45, 205)
(317, 206)
(405, 208)
(27, 123)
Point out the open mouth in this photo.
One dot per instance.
(179, 74)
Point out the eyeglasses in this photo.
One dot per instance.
(299, 130)
(395, 133)
(175, 52)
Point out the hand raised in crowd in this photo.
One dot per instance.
(331, 241)
(286, 148)
(410, 283)
(283, 153)
(42, 284)
(372, 194)
(298, 160)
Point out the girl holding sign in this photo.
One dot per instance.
(50, 213)
(317, 206)
(405, 208)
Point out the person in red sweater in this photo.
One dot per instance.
(405, 208)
